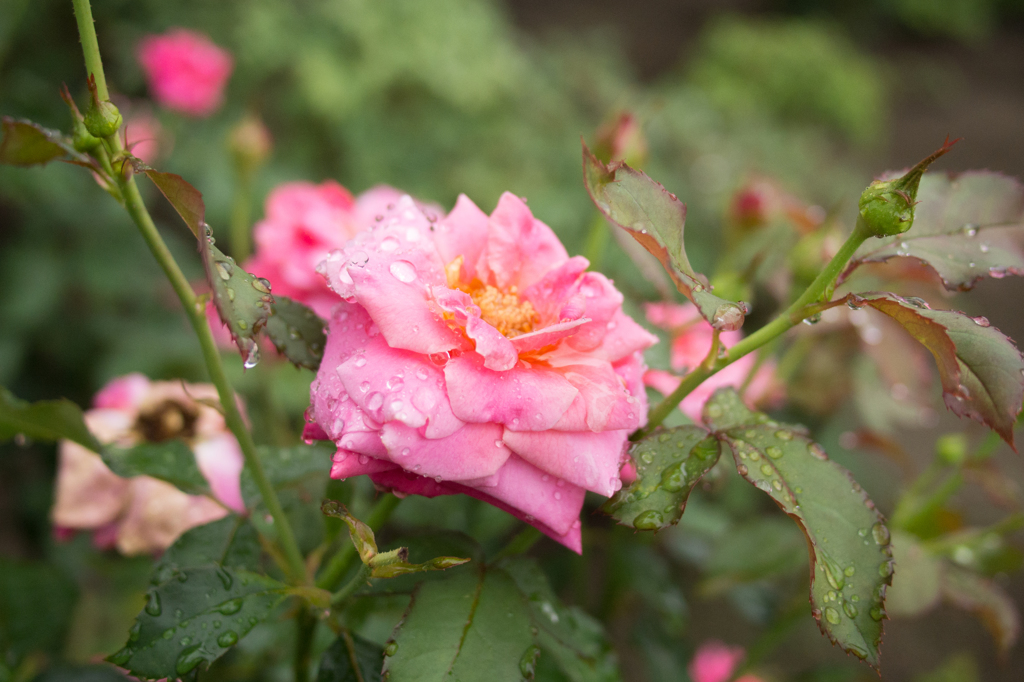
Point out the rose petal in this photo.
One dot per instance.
(463, 232)
(220, 461)
(589, 460)
(550, 294)
(88, 494)
(346, 464)
(520, 249)
(524, 343)
(602, 302)
(532, 399)
(474, 451)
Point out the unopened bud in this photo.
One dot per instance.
(82, 140)
(622, 140)
(102, 118)
(887, 206)
(250, 144)
(952, 449)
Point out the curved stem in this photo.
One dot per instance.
(335, 570)
(520, 543)
(194, 309)
(358, 580)
(820, 288)
(305, 629)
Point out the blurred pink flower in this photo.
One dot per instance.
(472, 355)
(691, 341)
(144, 135)
(141, 515)
(185, 71)
(715, 662)
(303, 223)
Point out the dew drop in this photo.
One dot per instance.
(742, 469)
(391, 648)
(981, 321)
(403, 271)
(648, 520)
(375, 401)
(773, 452)
(766, 469)
(970, 230)
(784, 435)
(388, 244)
(153, 607)
(230, 607)
(223, 269)
(253, 358)
(881, 534)
(832, 616)
(189, 659)
(817, 451)
(261, 285)
(876, 613)
(227, 638)
(359, 259)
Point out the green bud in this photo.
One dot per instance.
(887, 206)
(81, 138)
(102, 118)
(952, 449)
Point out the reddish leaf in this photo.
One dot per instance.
(982, 371)
(966, 227)
(656, 218)
(186, 199)
(28, 144)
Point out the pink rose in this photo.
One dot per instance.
(472, 355)
(715, 662)
(304, 222)
(141, 514)
(691, 341)
(185, 71)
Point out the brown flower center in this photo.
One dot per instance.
(167, 420)
(501, 309)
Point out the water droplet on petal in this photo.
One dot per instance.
(359, 259)
(388, 244)
(981, 321)
(403, 271)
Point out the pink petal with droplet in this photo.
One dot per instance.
(474, 451)
(588, 460)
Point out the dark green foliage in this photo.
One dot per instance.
(36, 600)
(231, 542)
(351, 659)
(48, 420)
(297, 332)
(242, 300)
(170, 460)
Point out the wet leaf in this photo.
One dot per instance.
(655, 218)
(195, 618)
(29, 144)
(297, 332)
(394, 569)
(982, 371)
(851, 563)
(351, 659)
(186, 199)
(469, 622)
(669, 462)
(754, 550)
(422, 546)
(48, 420)
(573, 638)
(966, 227)
(170, 460)
(285, 466)
(231, 542)
(242, 300)
(916, 583)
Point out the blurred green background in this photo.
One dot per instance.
(441, 97)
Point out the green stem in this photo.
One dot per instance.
(90, 46)
(820, 288)
(519, 544)
(305, 628)
(597, 241)
(194, 309)
(335, 570)
(358, 580)
(240, 228)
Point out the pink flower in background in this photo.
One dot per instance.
(141, 515)
(303, 223)
(715, 662)
(472, 355)
(185, 71)
(144, 136)
(691, 341)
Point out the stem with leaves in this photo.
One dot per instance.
(195, 308)
(820, 289)
(335, 570)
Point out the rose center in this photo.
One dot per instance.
(170, 419)
(502, 309)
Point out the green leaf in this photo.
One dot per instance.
(36, 603)
(851, 562)
(669, 462)
(351, 659)
(754, 550)
(81, 673)
(472, 623)
(28, 144)
(568, 634)
(48, 420)
(230, 542)
(982, 372)
(916, 585)
(656, 218)
(297, 332)
(242, 300)
(186, 199)
(987, 600)
(170, 460)
(966, 227)
(288, 466)
(195, 619)
(383, 567)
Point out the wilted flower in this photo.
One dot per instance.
(185, 71)
(472, 355)
(691, 341)
(142, 514)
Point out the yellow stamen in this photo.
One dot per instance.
(501, 309)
